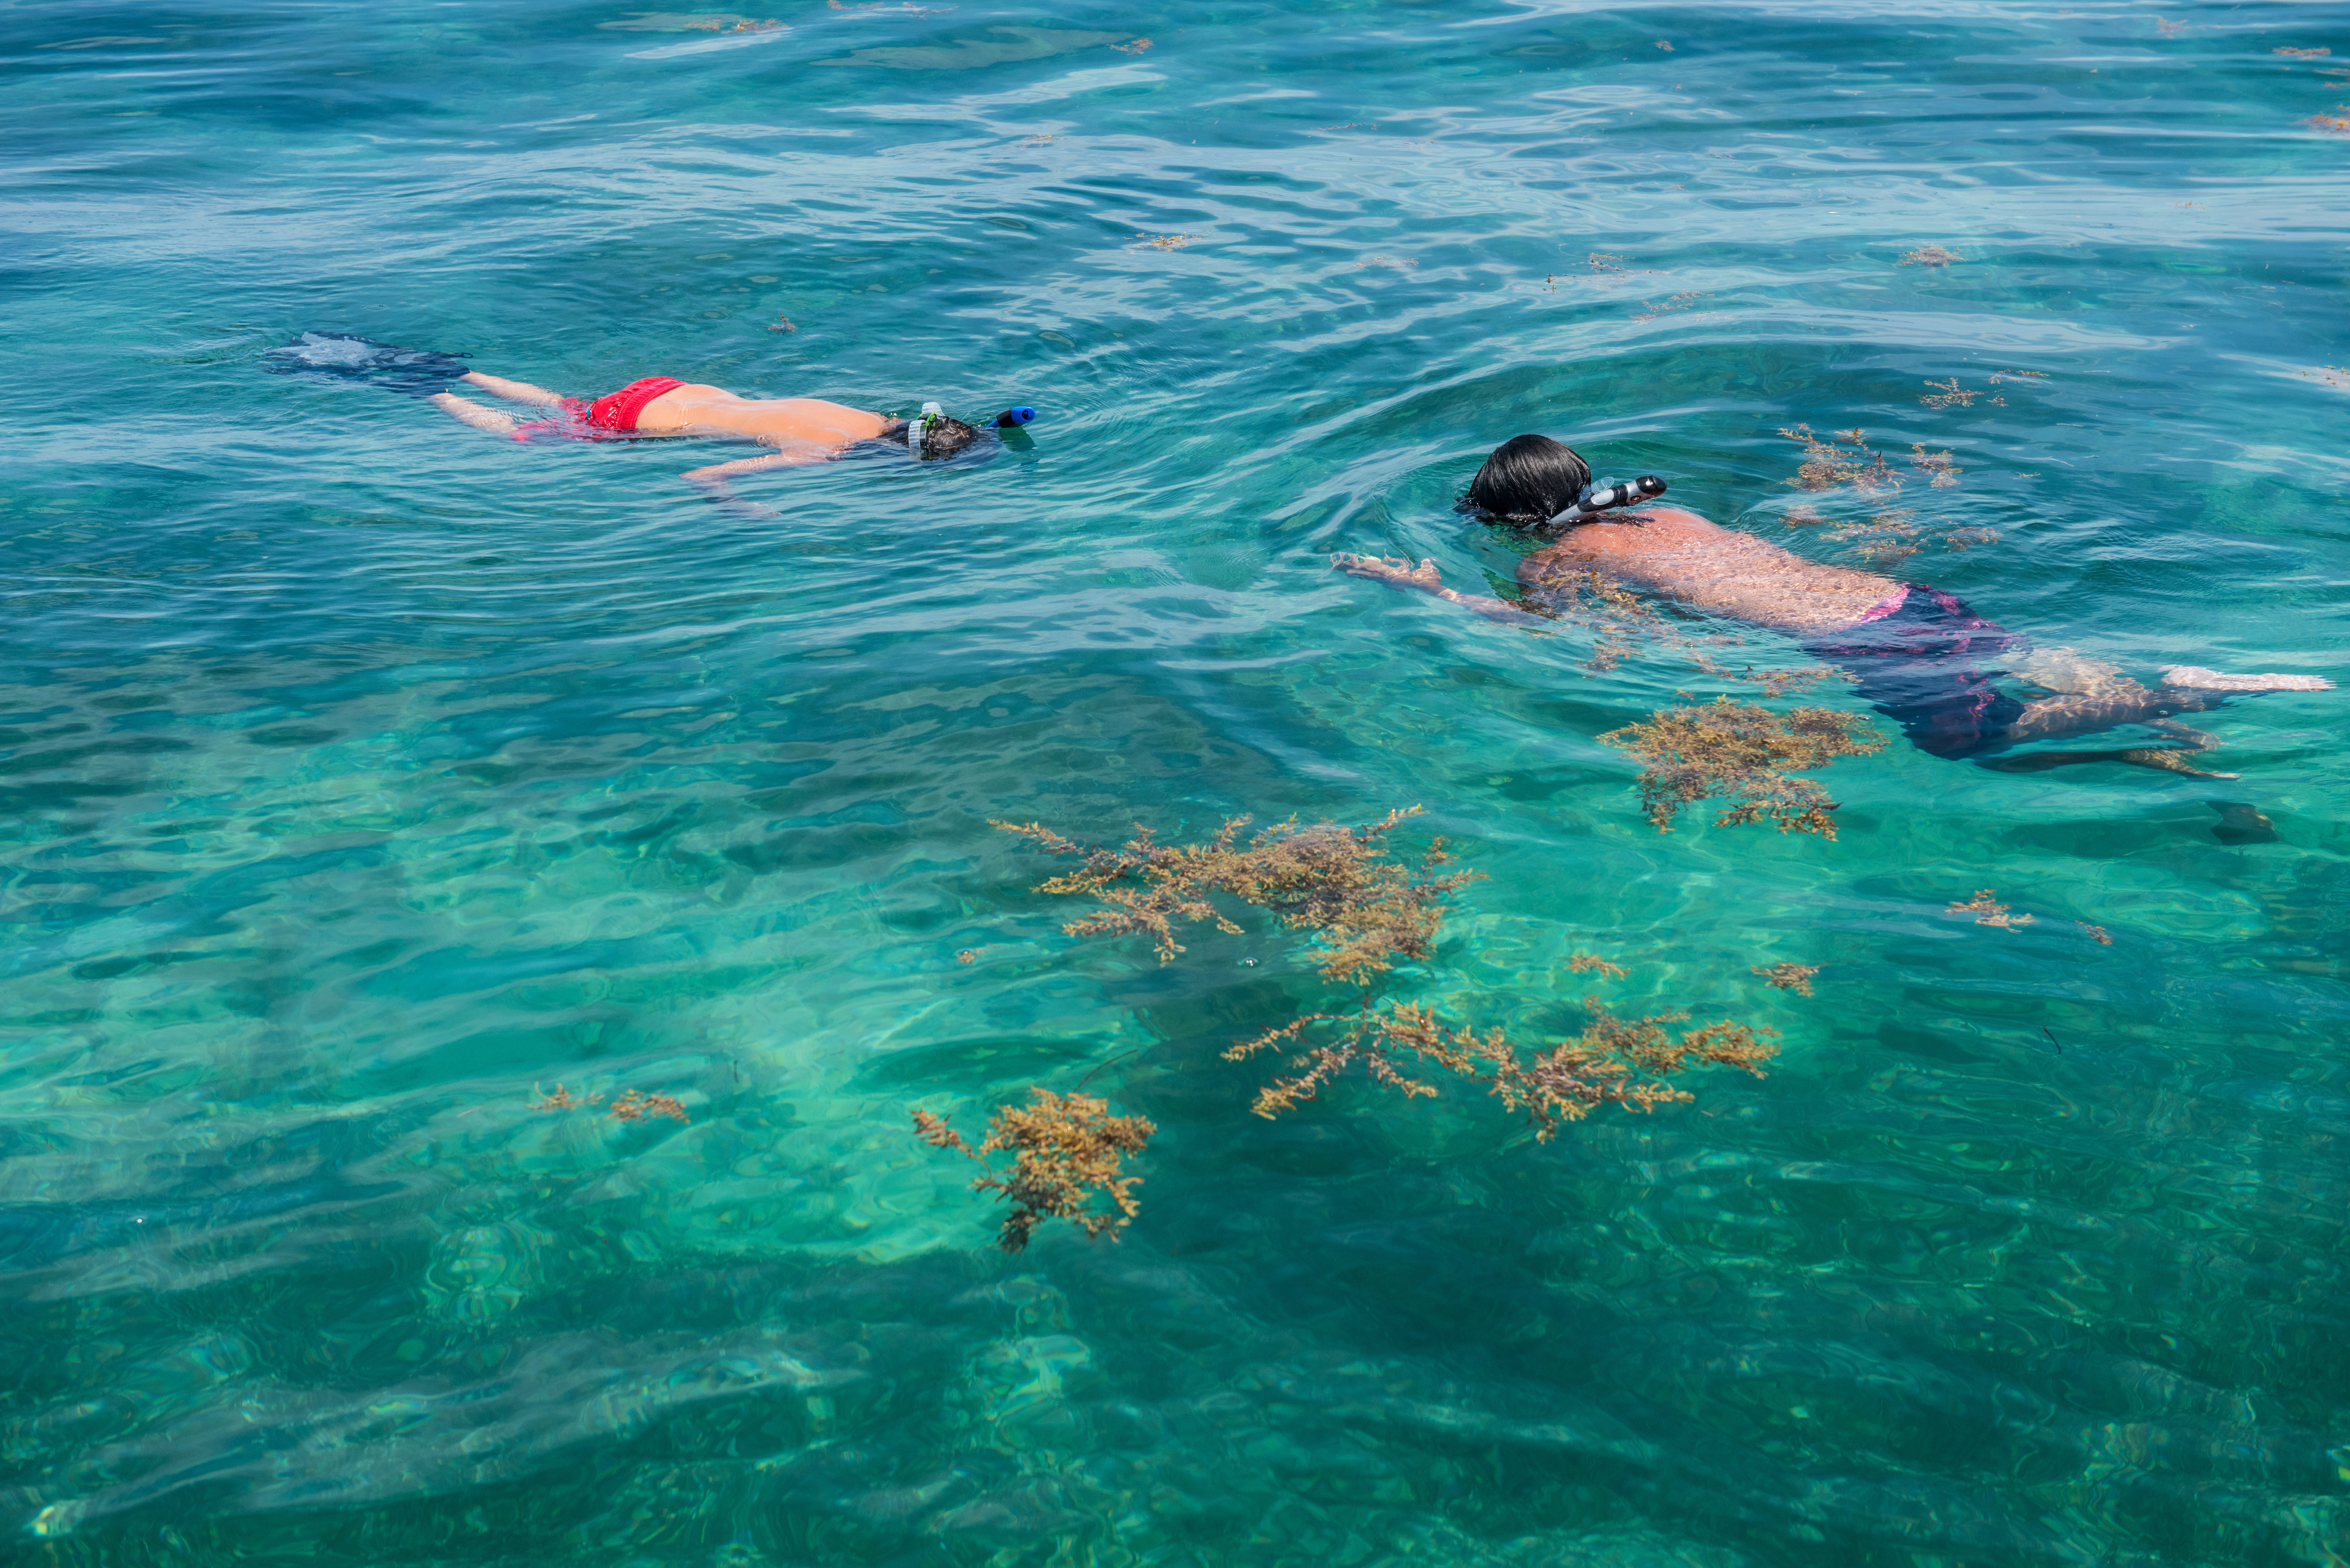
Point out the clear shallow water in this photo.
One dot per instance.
(365, 771)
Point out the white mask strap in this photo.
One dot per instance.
(919, 426)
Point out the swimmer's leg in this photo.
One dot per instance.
(513, 391)
(467, 412)
(2184, 689)
(2059, 717)
(2118, 701)
(2169, 759)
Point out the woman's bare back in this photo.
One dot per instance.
(697, 410)
(1681, 555)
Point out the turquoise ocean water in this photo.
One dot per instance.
(364, 772)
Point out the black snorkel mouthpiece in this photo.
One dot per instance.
(1596, 499)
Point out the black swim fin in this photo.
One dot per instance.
(342, 357)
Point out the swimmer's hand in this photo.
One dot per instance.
(1400, 572)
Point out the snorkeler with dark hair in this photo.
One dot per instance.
(1921, 655)
(802, 430)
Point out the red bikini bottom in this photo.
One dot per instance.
(618, 411)
(613, 414)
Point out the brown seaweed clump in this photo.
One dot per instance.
(1065, 1148)
(1890, 538)
(1844, 459)
(1949, 393)
(1988, 912)
(1794, 977)
(1365, 910)
(632, 1106)
(1747, 755)
(1887, 539)
(1615, 1061)
(1940, 473)
(1365, 913)
(1682, 301)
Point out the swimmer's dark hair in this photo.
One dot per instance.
(1528, 478)
(946, 437)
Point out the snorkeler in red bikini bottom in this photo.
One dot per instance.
(802, 430)
(1921, 655)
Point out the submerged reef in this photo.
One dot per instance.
(1364, 913)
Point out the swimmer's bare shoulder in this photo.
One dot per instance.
(1651, 531)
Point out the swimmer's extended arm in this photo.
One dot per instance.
(1402, 574)
(713, 481)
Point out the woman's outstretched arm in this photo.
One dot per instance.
(1402, 574)
(713, 481)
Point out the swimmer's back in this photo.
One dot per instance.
(698, 409)
(1672, 551)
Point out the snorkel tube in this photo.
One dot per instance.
(1595, 500)
(1007, 427)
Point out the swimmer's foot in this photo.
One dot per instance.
(2195, 678)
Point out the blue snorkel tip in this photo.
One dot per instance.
(1011, 418)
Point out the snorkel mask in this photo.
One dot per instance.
(919, 428)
